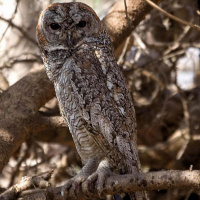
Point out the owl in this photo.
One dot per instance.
(91, 91)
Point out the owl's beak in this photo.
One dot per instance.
(69, 41)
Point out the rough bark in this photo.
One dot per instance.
(119, 24)
(122, 183)
(19, 109)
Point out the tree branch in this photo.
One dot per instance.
(48, 129)
(124, 183)
(116, 23)
(19, 109)
(26, 183)
(172, 16)
(19, 29)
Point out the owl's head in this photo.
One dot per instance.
(66, 25)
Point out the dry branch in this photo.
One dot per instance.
(12, 17)
(19, 29)
(117, 25)
(26, 183)
(19, 109)
(126, 183)
(172, 16)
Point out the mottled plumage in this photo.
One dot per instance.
(90, 89)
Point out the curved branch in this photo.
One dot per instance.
(172, 16)
(116, 23)
(19, 109)
(125, 183)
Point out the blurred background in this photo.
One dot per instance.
(161, 63)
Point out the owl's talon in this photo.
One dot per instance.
(75, 184)
(97, 179)
(65, 189)
(102, 176)
(100, 186)
(90, 183)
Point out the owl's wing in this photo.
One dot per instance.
(108, 111)
(113, 121)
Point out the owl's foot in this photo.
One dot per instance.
(91, 179)
(75, 184)
(98, 179)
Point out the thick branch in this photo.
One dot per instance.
(43, 123)
(48, 129)
(18, 110)
(128, 183)
(116, 22)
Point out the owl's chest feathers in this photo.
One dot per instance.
(70, 86)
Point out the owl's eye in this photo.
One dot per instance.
(54, 26)
(82, 24)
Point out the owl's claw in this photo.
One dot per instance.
(90, 183)
(98, 178)
(102, 176)
(75, 184)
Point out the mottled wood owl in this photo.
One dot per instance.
(91, 91)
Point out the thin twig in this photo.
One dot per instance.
(19, 29)
(25, 150)
(124, 51)
(172, 16)
(17, 59)
(184, 104)
(188, 194)
(186, 115)
(126, 11)
(13, 15)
